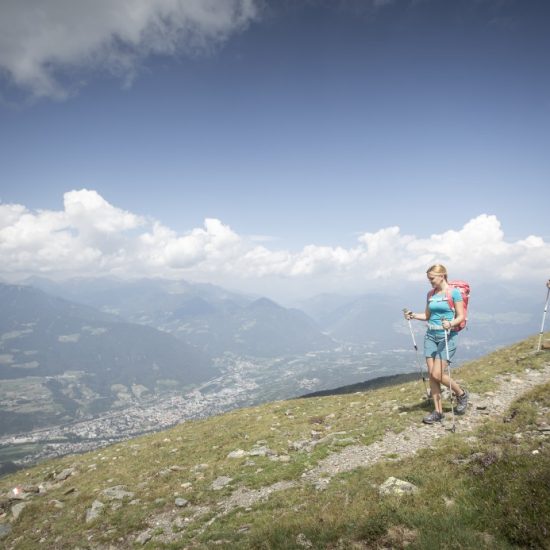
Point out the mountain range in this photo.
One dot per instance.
(208, 317)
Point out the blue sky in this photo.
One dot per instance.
(295, 124)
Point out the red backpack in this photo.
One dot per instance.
(464, 288)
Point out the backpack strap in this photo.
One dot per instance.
(449, 298)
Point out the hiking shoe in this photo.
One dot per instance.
(462, 402)
(433, 417)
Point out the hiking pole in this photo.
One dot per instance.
(544, 316)
(405, 310)
(453, 429)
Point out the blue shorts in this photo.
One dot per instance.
(434, 345)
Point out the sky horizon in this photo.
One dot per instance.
(308, 145)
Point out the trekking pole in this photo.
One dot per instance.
(418, 364)
(453, 429)
(544, 316)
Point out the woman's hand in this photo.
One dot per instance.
(446, 324)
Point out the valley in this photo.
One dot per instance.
(241, 382)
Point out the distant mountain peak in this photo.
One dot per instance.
(264, 303)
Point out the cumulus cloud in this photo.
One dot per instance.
(92, 237)
(39, 38)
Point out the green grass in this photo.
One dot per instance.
(488, 491)
(16, 452)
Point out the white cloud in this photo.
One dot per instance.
(40, 37)
(88, 211)
(92, 237)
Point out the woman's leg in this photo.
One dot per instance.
(457, 390)
(450, 349)
(434, 369)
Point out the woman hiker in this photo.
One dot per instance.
(441, 318)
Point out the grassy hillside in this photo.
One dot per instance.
(247, 479)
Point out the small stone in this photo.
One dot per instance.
(94, 512)
(261, 451)
(283, 458)
(62, 476)
(17, 493)
(394, 486)
(536, 452)
(239, 453)
(144, 537)
(322, 483)
(181, 502)
(298, 445)
(220, 482)
(31, 489)
(117, 492)
(303, 541)
(17, 509)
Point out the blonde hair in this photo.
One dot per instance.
(438, 269)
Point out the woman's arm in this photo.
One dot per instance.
(418, 316)
(459, 316)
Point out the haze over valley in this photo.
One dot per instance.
(86, 362)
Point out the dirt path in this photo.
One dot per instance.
(420, 436)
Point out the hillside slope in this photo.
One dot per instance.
(61, 361)
(311, 473)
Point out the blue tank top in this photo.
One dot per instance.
(440, 310)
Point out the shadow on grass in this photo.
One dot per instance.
(368, 385)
